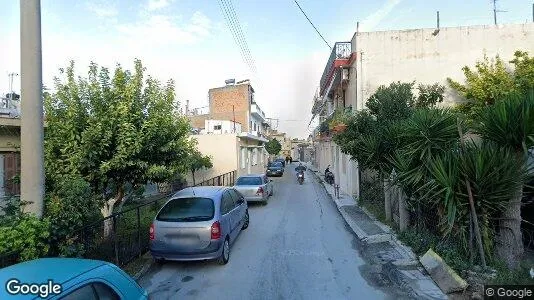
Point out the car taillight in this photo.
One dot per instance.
(260, 191)
(152, 232)
(216, 231)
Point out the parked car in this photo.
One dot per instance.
(255, 187)
(198, 223)
(281, 160)
(79, 279)
(275, 169)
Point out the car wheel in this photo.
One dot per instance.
(225, 255)
(247, 220)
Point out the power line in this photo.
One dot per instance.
(231, 27)
(235, 28)
(313, 25)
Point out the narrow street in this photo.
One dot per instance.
(297, 247)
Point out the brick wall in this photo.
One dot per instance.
(198, 120)
(222, 99)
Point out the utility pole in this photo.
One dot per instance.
(495, 11)
(32, 132)
(233, 112)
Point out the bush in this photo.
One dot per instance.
(69, 207)
(27, 235)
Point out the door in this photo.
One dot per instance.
(230, 208)
(240, 209)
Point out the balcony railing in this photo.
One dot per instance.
(341, 50)
(256, 110)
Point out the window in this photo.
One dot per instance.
(94, 291)
(249, 181)
(86, 292)
(227, 203)
(187, 210)
(105, 292)
(217, 127)
(237, 196)
(243, 158)
(255, 128)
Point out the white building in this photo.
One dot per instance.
(221, 127)
(357, 68)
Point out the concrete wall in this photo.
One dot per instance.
(223, 150)
(226, 127)
(421, 55)
(252, 158)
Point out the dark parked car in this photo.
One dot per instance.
(282, 161)
(275, 169)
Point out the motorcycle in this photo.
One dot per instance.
(329, 176)
(300, 177)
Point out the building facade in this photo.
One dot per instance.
(356, 69)
(233, 102)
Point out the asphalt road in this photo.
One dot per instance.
(296, 247)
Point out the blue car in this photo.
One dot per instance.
(68, 278)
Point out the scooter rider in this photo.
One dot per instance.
(300, 169)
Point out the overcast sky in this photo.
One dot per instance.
(189, 41)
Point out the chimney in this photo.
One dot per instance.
(187, 107)
(229, 81)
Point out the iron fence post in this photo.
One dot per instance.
(115, 241)
(219, 180)
(139, 231)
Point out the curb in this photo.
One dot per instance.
(409, 259)
(144, 270)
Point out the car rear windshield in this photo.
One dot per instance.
(187, 210)
(276, 165)
(249, 181)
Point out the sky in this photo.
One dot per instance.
(189, 41)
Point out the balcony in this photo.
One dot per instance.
(256, 111)
(340, 56)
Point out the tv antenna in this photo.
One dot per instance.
(495, 11)
(11, 75)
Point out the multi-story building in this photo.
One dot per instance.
(9, 146)
(231, 131)
(233, 102)
(357, 68)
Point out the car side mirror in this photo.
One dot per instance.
(241, 201)
(270, 180)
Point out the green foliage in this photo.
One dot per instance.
(509, 123)
(113, 130)
(198, 161)
(391, 103)
(69, 207)
(273, 147)
(429, 95)
(27, 235)
(421, 239)
(524, 71)
(491, 81)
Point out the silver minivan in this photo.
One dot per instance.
(198, 223)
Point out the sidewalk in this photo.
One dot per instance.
(382, 246)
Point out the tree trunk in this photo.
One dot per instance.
(509, 238)
(387, 198)
(193, 175)
(107, 210)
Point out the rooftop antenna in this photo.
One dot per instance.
(495, 11)
(11, 75)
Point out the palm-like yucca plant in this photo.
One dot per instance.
(494, 174)
(425, 135)
(509, 123)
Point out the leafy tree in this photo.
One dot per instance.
(197, 161)
(273, 147)
(429, 95)
(113, 131)
(491, 80)
(391, 103)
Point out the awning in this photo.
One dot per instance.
(248, 136)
